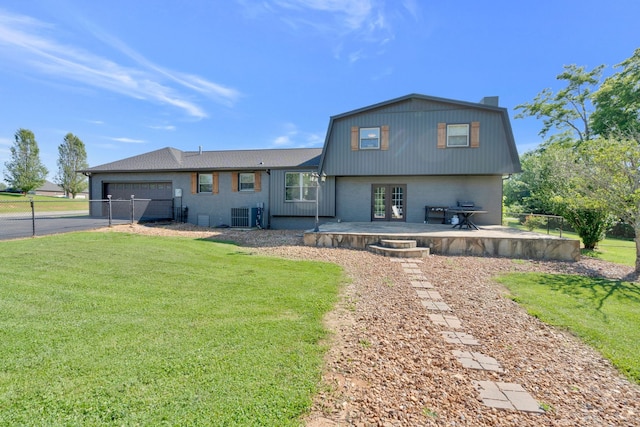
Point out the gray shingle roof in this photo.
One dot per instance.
(172, 159)
(50, 187)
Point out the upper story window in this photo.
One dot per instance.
(246, 181)
(369, 138)
(458, 135)
(205, 183)
(299, 187)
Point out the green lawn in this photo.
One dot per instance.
(618, 251)
(120, 329)
(603, 313)
(11, 202)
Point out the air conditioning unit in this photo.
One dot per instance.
(244, 217)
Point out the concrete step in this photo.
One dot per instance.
(414, 252)
(398, 244)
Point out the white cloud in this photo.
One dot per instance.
(354, 26)
(412, 7)
(129, 140)
(345, 16)
(163, 127)
(351, 14)
(355, 56)
(29, 42)
(6, 141)
(293, 138)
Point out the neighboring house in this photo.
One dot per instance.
(54, 190)
(49, 189)
(385, 162)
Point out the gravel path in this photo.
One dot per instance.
(388, 364)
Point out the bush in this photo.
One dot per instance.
(590, 224)
(531, 222)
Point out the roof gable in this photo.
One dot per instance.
(414, 119)
(420, 102)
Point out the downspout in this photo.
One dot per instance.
(90, 185)
(268, 202)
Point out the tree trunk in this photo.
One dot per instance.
(636, 228)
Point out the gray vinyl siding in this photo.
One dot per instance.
(281, 207)
(413, 132)
(217, 207)
(353, 195)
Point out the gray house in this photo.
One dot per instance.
(401, 160)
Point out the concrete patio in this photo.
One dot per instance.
(442, 239)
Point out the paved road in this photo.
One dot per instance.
(20, 225)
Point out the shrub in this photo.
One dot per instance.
(532, 222)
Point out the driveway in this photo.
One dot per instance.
(14, 226)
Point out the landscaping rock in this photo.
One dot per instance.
(388, 364)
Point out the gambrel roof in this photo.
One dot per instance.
(172, 160)
(411, 126)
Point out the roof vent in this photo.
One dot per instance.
(200, 149)
(490, 100)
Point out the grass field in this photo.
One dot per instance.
(603, 313)
(618, 251)
(119, 329)
(11, 203)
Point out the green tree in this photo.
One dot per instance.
(25, 171)
(570, 108)
(529, 191)
(607, 178)
(72, 157)
(569, 112)
(618, 101)
(557, 191)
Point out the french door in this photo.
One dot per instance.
(388, 202)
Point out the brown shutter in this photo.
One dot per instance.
(475, 134)
(355, 137)
(234, 181)
(215, 182)
(256, 183)
(442, 135)
(194, 183)
(384, 143)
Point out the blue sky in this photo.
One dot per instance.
(128, 77)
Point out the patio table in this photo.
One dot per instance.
(465, 217)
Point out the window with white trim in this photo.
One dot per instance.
(369, 138)
(246, 181)
(458, 135)
(299, 187)
(205, 183)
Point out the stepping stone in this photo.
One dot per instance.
(436, 305)
(421, 284)
(506, 396)
(473, 360)
(432, 295)
(409, 264)
(459, 338)
(446, 320)
(412, 271)
(404, 261)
